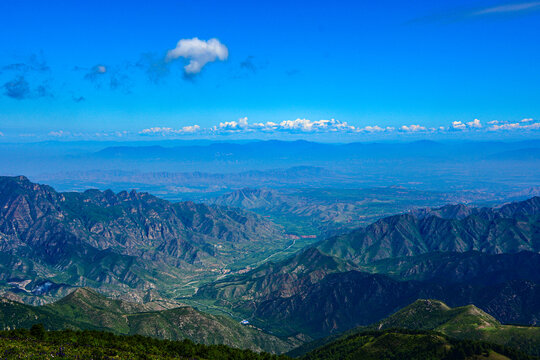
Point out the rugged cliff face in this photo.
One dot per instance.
(108, 237)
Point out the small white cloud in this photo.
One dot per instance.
(59, 133)
(375, 129)
(508, 8)
(1, 133)
(120, 133)
(198, 52)
(298, 125)
(510, 126)
(535, 126)
(191, 128)
(493, 122)
(476, 124)
(170, 131)
(306, 125)
(525, 124)
(412, 128)
(241, 124)
(458, 125)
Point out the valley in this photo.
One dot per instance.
(168, 268)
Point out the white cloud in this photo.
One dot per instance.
(412, 128)
(475, 124)
(525, 124)
(458, 125)
(375, 129)
(198, 52)
(510, 126)
(306, 125)
(298, 125)
(535, 126)
(303, 125)
(241, 124)
(170, 131)
(508, 8)
(59, 133)
(1, 133)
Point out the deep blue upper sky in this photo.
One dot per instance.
(74, 69)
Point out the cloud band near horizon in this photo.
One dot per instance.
(307, 126)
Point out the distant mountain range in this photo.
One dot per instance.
(184, 170)
(326, 210)
(306, 150)
(273, 177)
(193, 185)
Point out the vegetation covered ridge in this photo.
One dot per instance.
(404, 344)
(37, 343)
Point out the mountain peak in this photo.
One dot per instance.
(429, 305)
(428, 314)
(83, 293)
(19, 180)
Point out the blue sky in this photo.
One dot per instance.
(386, 68)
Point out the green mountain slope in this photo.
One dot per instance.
(410, 345)
(16, 315)
(87, 309)
(68, 344)
(467, 322)
(436, 315)
(461, 323)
